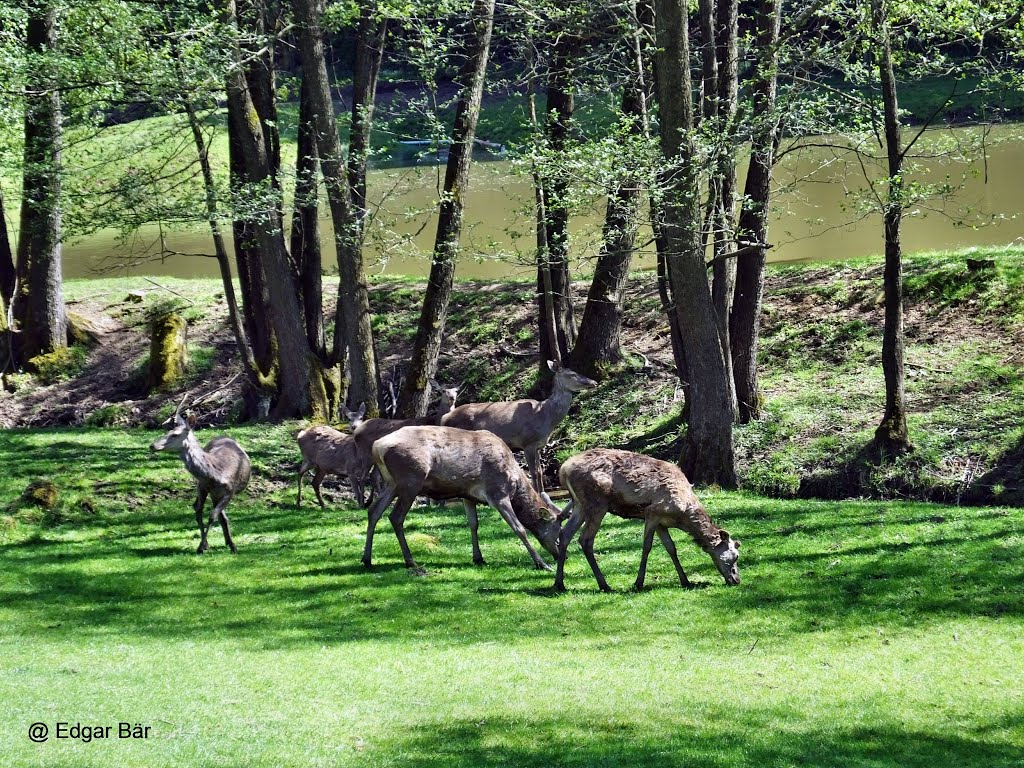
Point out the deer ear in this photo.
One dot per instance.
(725, 536)
(362, 410)
(553, 366)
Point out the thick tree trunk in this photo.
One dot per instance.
(892, 436)
(8, 275)
(707, 455)
(38, 304)
(745, 318)
(302, 391)
(305, 235)
(353, 317)
(598, 341)
(429, 333)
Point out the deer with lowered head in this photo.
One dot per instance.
(221, 469)
(330, 452)
(524, 425)
(638, 487)
(370, 431)
(448, 463)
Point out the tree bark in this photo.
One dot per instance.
(429, 333)
(305, 235)
(707, 455)
(370, 38)
(598, 345)
(745, 318)
(8, 275)
(353, 317)
(38, 304)
(302, 391)
(892, 436)
(559, 108)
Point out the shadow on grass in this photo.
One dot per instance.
(726, 743)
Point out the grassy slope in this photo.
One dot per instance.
(864, 633)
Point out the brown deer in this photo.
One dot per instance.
(524, 425)
(638, 487)
(222, 470)
(370, 431)
(330, 452)
(447, 463)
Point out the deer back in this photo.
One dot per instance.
(328, 449)
(228, 465)
(517, 422)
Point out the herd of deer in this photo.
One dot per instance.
(465, 453)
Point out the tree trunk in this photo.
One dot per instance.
(302, 391)
(745, 319)
(429, 333)
(724, 269)
(366, 70)
(892, 436)
(8, 275)
(707, 455)
(559, 108)
(38, 304)
(353, 317)
(305, 235)
(598, 341)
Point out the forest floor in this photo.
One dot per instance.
(820, 363)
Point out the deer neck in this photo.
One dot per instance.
(704, 533)
(197, 461)
(557, 406)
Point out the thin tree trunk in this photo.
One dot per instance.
(547, 335)
(598, 343)
(429, 333)
(353, 317)
(38, 304)
(707, 455)
(8, 275)
(892, 436)
(724, 269)
(370, 39)
(745, 318)
(305, 235)
(560, 106)
(302, 391)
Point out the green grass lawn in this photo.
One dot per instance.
(864, 633)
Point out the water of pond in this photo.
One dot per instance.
(815, 217)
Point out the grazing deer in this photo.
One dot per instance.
(447, 463)
(370, 431)
(222, 470)
(638, 487)
(524, 425)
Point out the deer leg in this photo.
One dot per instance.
(564, 539)
(318, 479)
(357, 491)
(373, 517)
(670, 547)
(532, 454)
(220, 514)
(306, 466)
(587, 544)
(504, 507)
(471, 520)
(649, 526)
(397, 518)
(198, 506)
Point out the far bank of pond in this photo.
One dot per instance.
(816, 216)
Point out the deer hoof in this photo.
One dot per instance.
(542, 566)
(604, 588)
(417, 570)
(479, 561)
(638, 587)
(558, 586)
(234, 550)
(367, 564)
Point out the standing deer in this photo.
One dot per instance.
(524, 425)
(370, 431)
(328, 451)
(447, 463)
(222, 470)
(638, 487)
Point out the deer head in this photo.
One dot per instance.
(179, 433)
(726, 554)
(354, 418)
(568, 380)
(448, 394)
